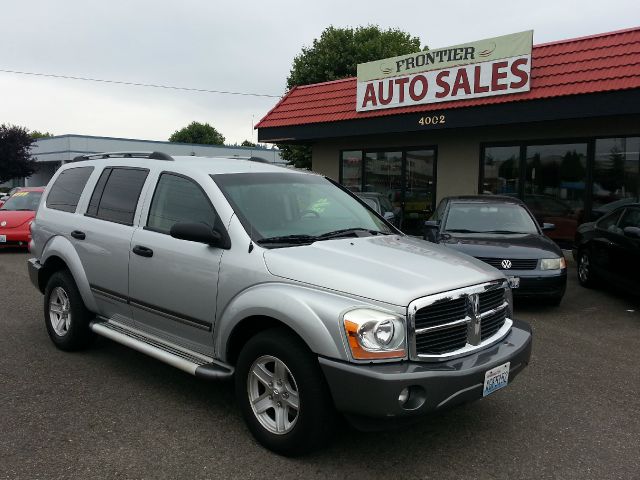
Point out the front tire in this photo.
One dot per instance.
(585, 269)
(282, 393)
(66, 317)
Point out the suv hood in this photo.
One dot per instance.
(390, 269)
(504, 246)
(15, 218)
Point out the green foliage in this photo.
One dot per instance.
(247, 143)
(338, 51)
(35, 134)
(336, 54)
(15, 153)
(200, 133)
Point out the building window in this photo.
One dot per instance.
(616, 174)
(419, 195)
(351, 164)
(501, 170)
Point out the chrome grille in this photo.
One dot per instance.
(455, 323)
(516, 263)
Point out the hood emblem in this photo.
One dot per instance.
(3, 224)
(506, 264)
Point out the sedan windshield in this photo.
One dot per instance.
(290, 208)
(489, 218)
(23, 201)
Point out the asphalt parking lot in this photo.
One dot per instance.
(110, 412)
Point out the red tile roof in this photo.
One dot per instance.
(598, 63)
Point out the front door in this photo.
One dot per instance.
(407, 179)
(173, 283)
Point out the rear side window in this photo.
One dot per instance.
(66, 190)
(116, 194)
(178, 199)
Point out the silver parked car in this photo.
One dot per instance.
(280, 280)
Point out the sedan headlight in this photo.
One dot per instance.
(374, 335)
(553, 263)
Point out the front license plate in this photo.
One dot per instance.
(3, 239)
(496, 378)
(514, 282)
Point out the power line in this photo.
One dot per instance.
(136, 84)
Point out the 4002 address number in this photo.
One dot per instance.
(432, 120)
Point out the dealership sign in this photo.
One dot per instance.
(496, 66)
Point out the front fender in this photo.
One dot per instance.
(61, 247)
(313, 314)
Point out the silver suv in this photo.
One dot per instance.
(283, 281)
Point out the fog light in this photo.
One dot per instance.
(404, 396)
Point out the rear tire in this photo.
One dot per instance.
(586, 276)
(276, 373)
(66, 317)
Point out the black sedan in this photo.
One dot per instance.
(502, 232)
(609, 249)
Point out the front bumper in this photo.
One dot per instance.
(372, 390)
(15, 238)
(542, 284)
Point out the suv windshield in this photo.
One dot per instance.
(489, 218)
(24, 200)
(291, 208)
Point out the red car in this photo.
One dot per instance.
(16, 215)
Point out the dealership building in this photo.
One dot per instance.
(555, 124)
(50, 153)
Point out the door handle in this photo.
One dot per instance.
(77, 234)
(142, 251)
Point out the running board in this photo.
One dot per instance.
(174, 355)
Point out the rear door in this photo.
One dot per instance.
(625, 250)
(103, 237)
(174, 283)
(605, 234)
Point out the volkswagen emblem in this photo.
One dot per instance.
(3, 224)
(506, 264)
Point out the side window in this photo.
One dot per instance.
(631, 218)
(116, 194)
(178, 199)
(609, 222)
(66, 190)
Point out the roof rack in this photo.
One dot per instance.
(150, 155)
(251, 159)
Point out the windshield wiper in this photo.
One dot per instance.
(295, 239)
(461, 230)
(347, 232)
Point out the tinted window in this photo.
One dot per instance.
(631, 218)
(66, 190)
(610, 222)
(118, 200)
(97, 193)
(178, 199)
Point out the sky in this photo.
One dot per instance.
(243, 46)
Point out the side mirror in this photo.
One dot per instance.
(548, 227)
(431, 228)
(631, 232)
(197, 232)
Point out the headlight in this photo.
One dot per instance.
(373, 334)
(553, 263)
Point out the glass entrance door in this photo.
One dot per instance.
(407, 180)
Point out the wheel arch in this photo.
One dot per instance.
(59, 254)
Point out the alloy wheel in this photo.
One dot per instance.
(60, 311)
(273, 394)
(583, 268)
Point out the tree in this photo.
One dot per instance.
(196, 132)
(15, 153)
(35, 134)
(247, 143)
(336, 54)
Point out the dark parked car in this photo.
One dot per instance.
(609, 249)
(382, 205)
(502, 232)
